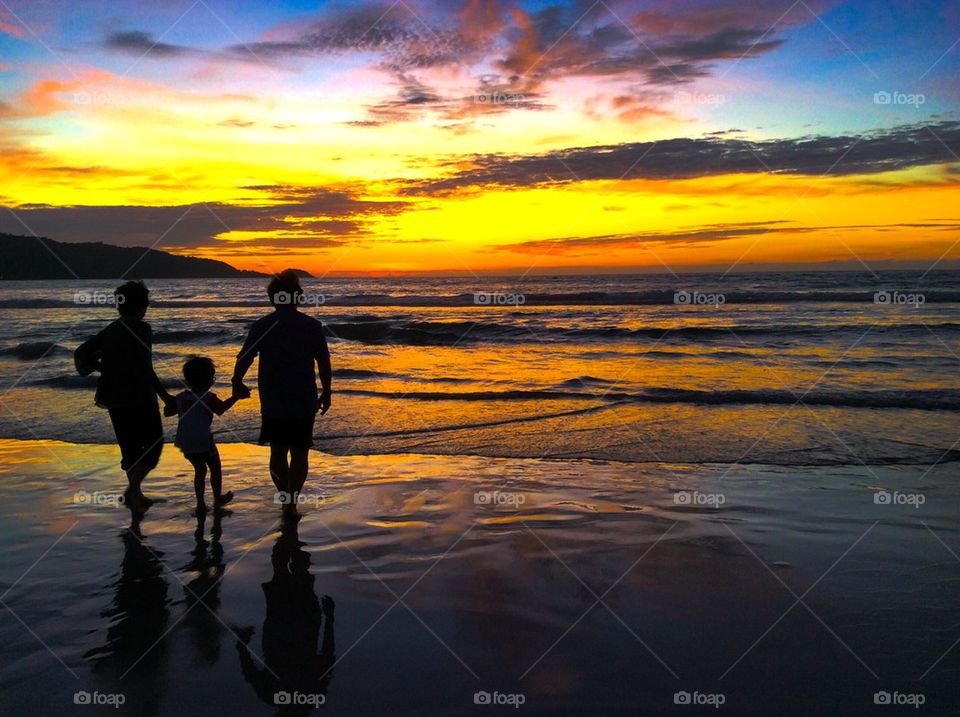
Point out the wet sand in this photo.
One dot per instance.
(581, 587)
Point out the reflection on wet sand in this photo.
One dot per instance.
(203, 591)
(292, 673)
(139, 616)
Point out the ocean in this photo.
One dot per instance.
(809, 368)
(591, 495)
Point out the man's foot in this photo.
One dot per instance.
(290, 512)
(223, 499)
(201, 509)
(135, 503)
(147, 502)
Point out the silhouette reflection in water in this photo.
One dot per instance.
(139, 615)
(293, 674)
(207, 561)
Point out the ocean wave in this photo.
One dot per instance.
(193, 336)
(650, 297)
(933, 399)
(448, 333)
(32, 351)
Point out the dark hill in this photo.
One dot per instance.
(33, 258)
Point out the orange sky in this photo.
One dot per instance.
(524, 152)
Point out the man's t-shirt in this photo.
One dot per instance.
(124, 352)
(288, 343)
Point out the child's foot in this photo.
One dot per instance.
(223, 499)
(326, 602)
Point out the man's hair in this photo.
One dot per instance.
(198, 371)
(132, 298)
(284, 289)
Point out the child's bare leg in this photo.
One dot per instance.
(199, 463)
(216, 479)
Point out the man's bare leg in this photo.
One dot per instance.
(279, 467)
(299, 465)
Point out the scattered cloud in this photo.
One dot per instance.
(695, 236)
(291, 213)
(897, 148)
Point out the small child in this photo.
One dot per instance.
(195, 409)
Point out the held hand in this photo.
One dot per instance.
(169, 406)
(240, 391)
(324, 402)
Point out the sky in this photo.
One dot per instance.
(476, 136)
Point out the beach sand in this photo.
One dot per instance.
(581, 587)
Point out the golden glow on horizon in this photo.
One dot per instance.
(101, 140)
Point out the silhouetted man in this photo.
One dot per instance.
(128, 386)
(289, 344)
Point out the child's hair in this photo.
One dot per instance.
(132, 298)
(284, 289)
(198, 371)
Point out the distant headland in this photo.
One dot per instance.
(24, 257)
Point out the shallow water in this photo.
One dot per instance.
(699, 567)
(793, 369)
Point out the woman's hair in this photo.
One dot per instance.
(198, 371)
(132, 298)
(284, 289)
